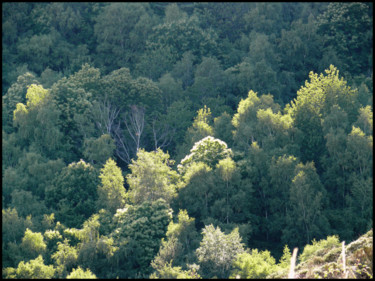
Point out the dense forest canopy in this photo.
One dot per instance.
(183, 140)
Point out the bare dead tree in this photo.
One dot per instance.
(135, 121)
(106, 115)
(127, 138)
(163, 134)
(122, 148)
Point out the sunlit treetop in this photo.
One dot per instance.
(208, 150)
(35, 95)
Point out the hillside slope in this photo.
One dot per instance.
(328, 262)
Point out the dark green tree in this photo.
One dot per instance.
(73, 193)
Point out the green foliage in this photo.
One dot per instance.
(36, 122)
(121, 27)
(111, 193)
(97, 151)
(217, 251)
(27, 204)
(223, 128)
(245, 120)
(138, 234)
(34, 269)
(65, 257)
(33, 244)
(74, 193)
(253, 265)
(285, 258)
(196, 195)
(169, 272)
(181, 36)
(201, 125)
(307, 200)
(313, 103)
(341, 20)
(208, 150)
(13, 226)
(79, 273)
(151, 177)
(179, 246)
(324, 244)
(74, 71)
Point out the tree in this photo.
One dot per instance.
(306, 218)
(34, 269)
(138, 233)
(178, 37)
(121, 30)
(281, 173)
(284, 261)
(365, 120)
(345, 26)
(245, 120)
(169, 272)
(27, 204)
(151, 177)
(73, 103)
(208, 150)
(208, 80)
(174, 13)
(274, 130)
(196, 195)
(73, 193)
(183, 70)
(200, 128)
(171, 89)
(253, 265)
(79, 273)
(178, 249)
(313, 103)
(226, 169)
(217, 251)
(13, 226)
(37, 121)
(98, 150)
(33, 244)
(65, 258)
(223, 128)
(111, 192)
(301, 49)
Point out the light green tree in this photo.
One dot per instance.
(208, 150)
(178, 249)
(151, 177)
(111, 192)
(33, 244)
(217, 251)
(34, 269)
(79, 273)
(65, 258)
(253, 265)
(245, 120)
(226, 169)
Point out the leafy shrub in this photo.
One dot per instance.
(254, 265)
(310, 250)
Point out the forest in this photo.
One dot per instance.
(183, 140)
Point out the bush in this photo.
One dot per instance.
(316, 247)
